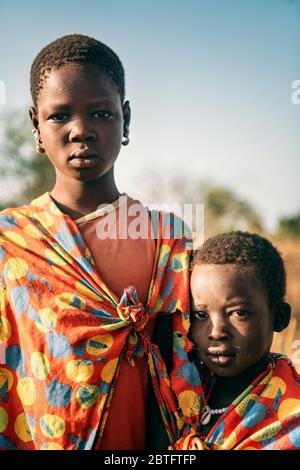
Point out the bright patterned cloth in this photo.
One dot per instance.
(65, 333)
(266, 416)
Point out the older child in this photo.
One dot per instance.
(250, 397)
(78, 309)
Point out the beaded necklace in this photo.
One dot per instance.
(208, 412)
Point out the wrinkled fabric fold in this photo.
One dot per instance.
(266, 416)
(66, 333)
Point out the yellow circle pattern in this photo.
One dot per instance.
(14, 238)
(181, 260)
(45, 219)
(108, 370)
(99, 345)
(189, 403)
(275, 384)
(23, 429)
(52, 426)
(32, 231)
(48, 320)
(5, 329)
(16, 268)
(79, 371)
(288, 407)
(164, 253)
(26, 391)
(87, 396)
(6, 376)
(242, 406)
(55, 257)
(40, 365)
(3, 419)
(3, 297)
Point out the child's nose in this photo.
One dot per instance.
(219, 328)
(81, 132)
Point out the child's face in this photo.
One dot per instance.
(80, 110)
(233, 326)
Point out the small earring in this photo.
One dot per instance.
(39, 147)
(125, 140)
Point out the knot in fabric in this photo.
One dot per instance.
(131, 310)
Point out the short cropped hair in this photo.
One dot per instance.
(76, 49)
(244, 249)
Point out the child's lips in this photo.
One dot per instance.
(83, 153)
(83, 162)
(221, 360)
(221, 356)
(83, 159)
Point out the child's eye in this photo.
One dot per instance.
(103, 114)
(58, 117)
(200, 315)
(239, 314)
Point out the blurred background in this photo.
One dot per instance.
(214, 115)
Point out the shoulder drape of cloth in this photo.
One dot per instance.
(266, 416)
(65, 333)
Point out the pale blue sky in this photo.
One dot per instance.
(209, 83)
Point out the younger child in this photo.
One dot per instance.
(250, 397)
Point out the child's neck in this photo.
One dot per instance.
(227, 389)
(77, 198)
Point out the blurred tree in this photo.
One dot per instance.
(223, 209)
(24, 173)
(289, 226)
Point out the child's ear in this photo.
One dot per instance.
(34, 117)
(281, 316)
(126, 113)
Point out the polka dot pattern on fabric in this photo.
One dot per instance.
(108, 370)
(14, 238)
(189, 403)
(3, 419)
(79, 371)
(48, 319)
(24, 427)
(16, 268)
(87, 396)
(52, 426)
(289, 407)
(26, 391)
(99, 345)
(5, 329)
(40, 365)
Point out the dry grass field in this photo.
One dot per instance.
(288, 342)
